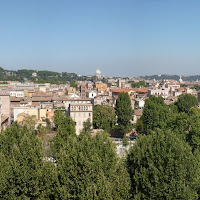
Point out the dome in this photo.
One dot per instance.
(98, 72)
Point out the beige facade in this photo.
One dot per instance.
(39, 113)
(4, 109)
(80, 113)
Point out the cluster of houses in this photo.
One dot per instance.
(20, 100)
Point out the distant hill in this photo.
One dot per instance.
(43, 76)
(171, 77)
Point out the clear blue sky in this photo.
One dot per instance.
(122, 37)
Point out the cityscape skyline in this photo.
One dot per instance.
(132, 38)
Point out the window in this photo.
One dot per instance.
(79, 122)
(79, 114)
(84, 114)
(89, 114)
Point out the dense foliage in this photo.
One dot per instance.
(43, 76)
(162, 166)
(103, 117)
(138, 84)
(185, 102)
(163, 163)
(21, 164)
(88, 168)
(80, 167)
(124, 112)
(155, 114)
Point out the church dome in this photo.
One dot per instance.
(98, 72)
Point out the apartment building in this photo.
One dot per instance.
(80, 113)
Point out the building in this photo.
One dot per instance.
(139, 103)
(126, 86)
(98, 73)
(164, 93)
(17, 93)
(34, 74)
(83, 90)
(80, 113)
(39, 113)
(4, 109)
(67, 102)
(91, 94)
(101, 87)
(172, 86)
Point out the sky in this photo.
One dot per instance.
(121, 37)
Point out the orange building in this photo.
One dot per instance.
(101, 87)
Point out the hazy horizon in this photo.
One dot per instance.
(122, 38)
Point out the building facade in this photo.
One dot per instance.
(80, 113)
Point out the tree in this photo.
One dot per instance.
(65, 128)
(193, 134)
(73, 84)
(48, 124)
(21, 164)
(30, 122)
(64, 123)
(88, 168)
(138, 84)
(139, 125)
(185, 102)
(162, 166)
(125, 141)
(155, 114)
(124, 112)
(103, 117)
(41, 132)
(87, 126)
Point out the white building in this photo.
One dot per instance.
(98, 73)
(67, 102)
(17, 93)
(91, 94)
(139, 103)
(172, 87)
(177, 93)
(164, 93)
(34, 74)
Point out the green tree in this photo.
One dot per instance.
(193, 134)
(21, 164)
(138, 84)
(103, 117)
(197, 87)
(63, 122)
(155, 114)
(139, 125)
(73, 84)
(88, 168)
(124, 112)
(65, 128)
(41, 132)
(30, 122)
(125, 141)
(87, 126)
(48, 124)
(185, 102)
(162, 166)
